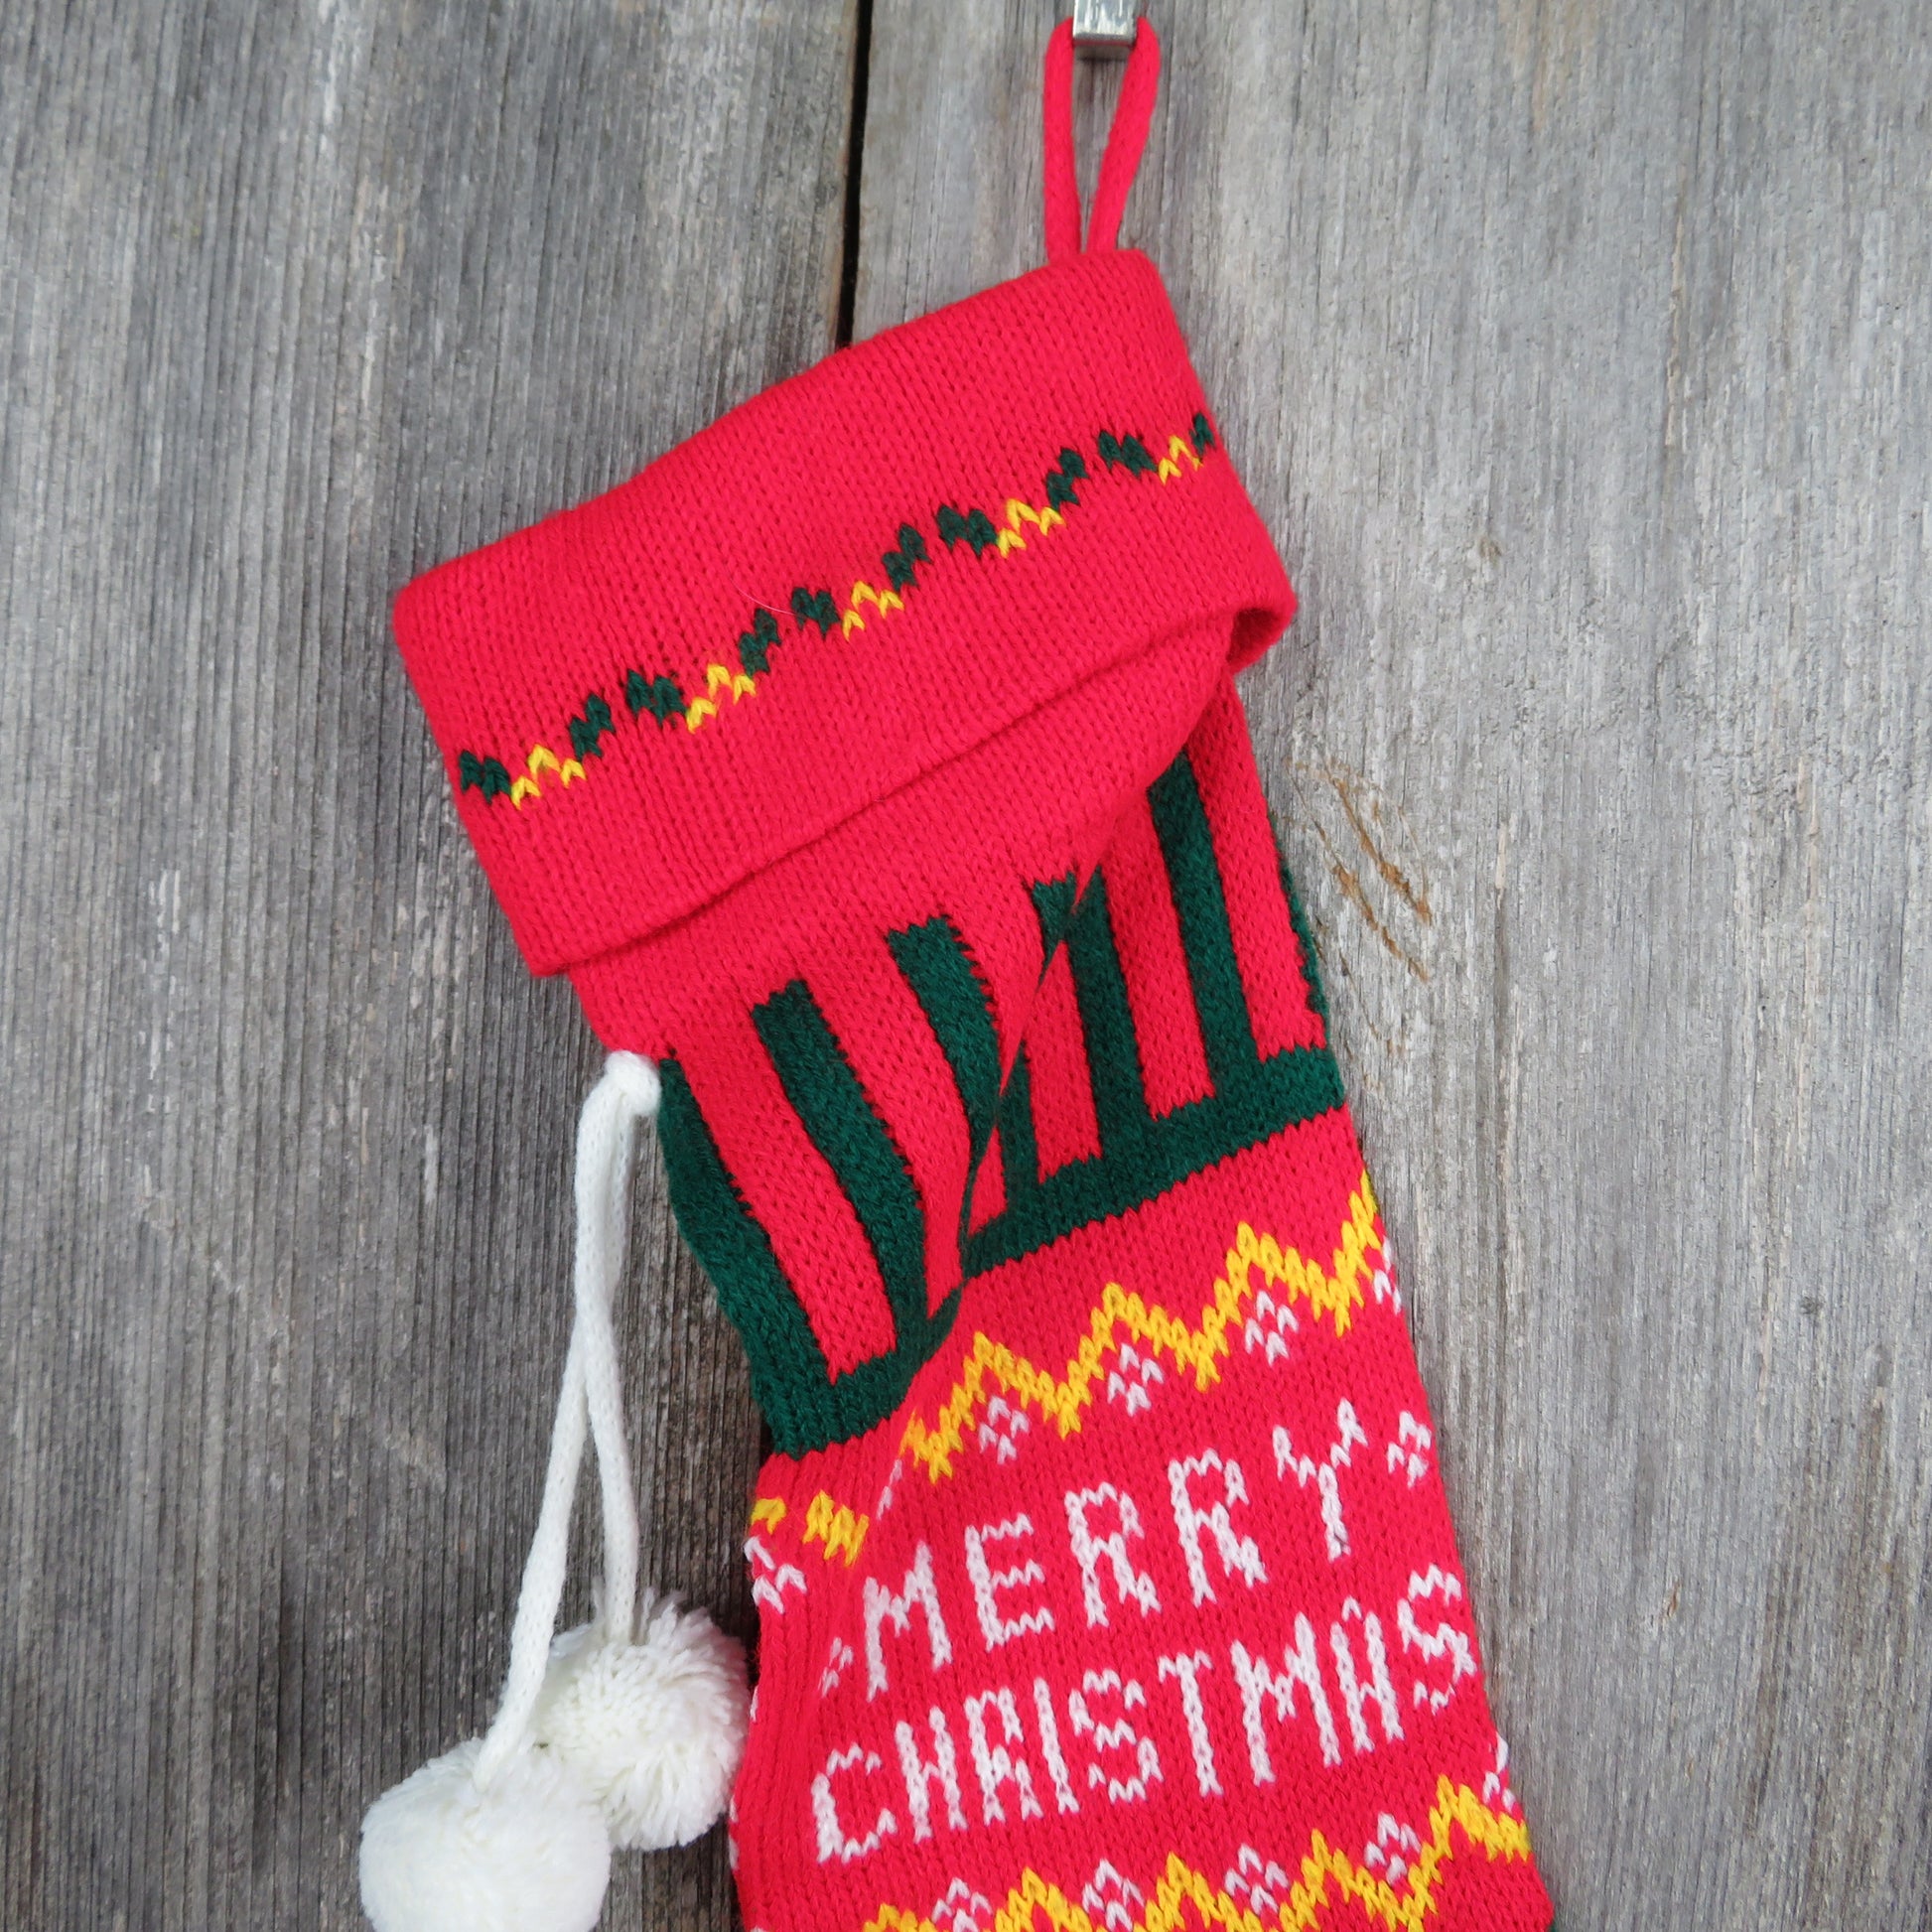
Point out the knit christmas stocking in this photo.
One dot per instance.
(872, 765)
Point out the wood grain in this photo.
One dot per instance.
(1575, 356)
(1572, 355)
(297, 301)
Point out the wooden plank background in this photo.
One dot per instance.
(1574, 355)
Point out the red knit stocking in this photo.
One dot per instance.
(1146, 1600)
(872, 763)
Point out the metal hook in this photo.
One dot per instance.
(1105, 27)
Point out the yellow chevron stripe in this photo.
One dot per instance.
(1177, 447)
(830, 1522)
(700, 711)
(717, 676)
(863, 593)
(1018, 511)
(543, 759)
(1185, 1897)
(1123, 1318)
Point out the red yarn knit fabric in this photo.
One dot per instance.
(872, 762)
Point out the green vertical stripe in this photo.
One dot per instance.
(1311, 966)
(1113, 1054)
(1194, 878)
(1019, 1154)
(1053, 901)
(847, 1130)
(788, 1367)
(939, 970)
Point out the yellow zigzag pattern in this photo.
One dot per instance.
(1170, 465)
(1122, 1317)
(833, 1523)
(1018, 511)
(740, 684)
(717, 677)
(1328, 1876)
(863, 593)
(541, 760)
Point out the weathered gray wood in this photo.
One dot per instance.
(1570, 354)
(296, 301)
(1576, 356)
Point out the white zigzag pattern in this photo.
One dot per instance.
(1262, 1883)
(1116, 1910)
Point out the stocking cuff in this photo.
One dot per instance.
(849, 581)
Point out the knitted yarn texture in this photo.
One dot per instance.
(872, 763)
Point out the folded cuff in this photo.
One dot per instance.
(845, 584)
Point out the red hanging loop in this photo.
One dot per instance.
(1133, 115)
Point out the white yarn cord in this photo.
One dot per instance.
(590, 1403)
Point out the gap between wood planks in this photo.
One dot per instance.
(855, 154)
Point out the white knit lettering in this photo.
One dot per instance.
(1257, 1680)
(988, 1583)
(834, 1842)
(1349, 1435)
(1434, 1645)
(1049, 1746)
(994, 1764)
(1354, 1693)
(882, 1605)
(920, 1777)
(1118, 1735)
(1130, 1585)
(1239, 1556)
(1185, 1670)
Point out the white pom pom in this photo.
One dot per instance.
(655, 1728)
(529, 1853)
